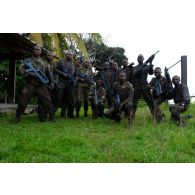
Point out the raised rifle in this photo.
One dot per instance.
(87, 79)
(151, 58)
(170, 86)
(36, 72)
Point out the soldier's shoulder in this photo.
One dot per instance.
(128, 83)
(116, 84)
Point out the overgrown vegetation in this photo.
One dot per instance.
(101, 140)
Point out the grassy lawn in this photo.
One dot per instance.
(101, 140)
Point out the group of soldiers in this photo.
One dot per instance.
(68, 85)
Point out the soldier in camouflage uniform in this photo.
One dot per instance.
(181, 99)
(140, 83)
(106, 76)
(51, 87)
(159, 90)
(100, 93)
(66, 87)
(114, 70)
(83, 87)
(128, 69)
(34, 87)
(124, 90)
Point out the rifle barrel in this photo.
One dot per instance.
(156, 52)
(173, 65)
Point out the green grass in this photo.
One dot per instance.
(101, 140)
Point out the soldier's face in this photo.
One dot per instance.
(49, 57)
(157, 73)
(86, 64)
(114, 66)
(37, 51)
(99, 83)
(125, 63)
(176, 80)
(122, 77)
(140, 59)
(69, 56)
(106, 66)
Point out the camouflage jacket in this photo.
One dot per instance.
(181, 95)
(124, 91)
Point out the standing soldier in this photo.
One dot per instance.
(114, 73)
(181, 99)
(51, 87)
(85, 75)
(97, 97)
(36, 84)
(140, 83)
(128, 69)
(106, 77)
(159, 90)
(67, 83)
(122, 100)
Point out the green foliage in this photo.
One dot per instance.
(101, 140)
(103, 53)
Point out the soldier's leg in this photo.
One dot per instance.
(110, 113)
(157, 111)
(136, 97)
(26, 95)
(44, 96)
(71, 100)
(79, 97)
(41, 112)
(109, 99)
(101, 110)
(175, 113)
(60, 98)
(128, 109)
(86, 95)
(148, 99)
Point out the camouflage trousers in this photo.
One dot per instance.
(66, 94)
(127, 108)
(145, 93)
(157, 113)
(34, 90)
(175, 110)
(82, 97)
(97, 111)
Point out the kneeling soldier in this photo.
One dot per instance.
(122, 100)
(97, 97)
(181, 99)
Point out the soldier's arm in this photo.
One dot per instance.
(151, 84)
(149, 69)
(103, 96)
(21, 69)
(113, 93)
(130, 91)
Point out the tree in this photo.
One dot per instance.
(59, 42)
